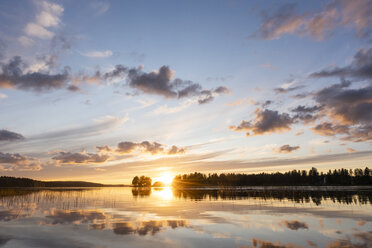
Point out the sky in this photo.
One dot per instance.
(105, 90)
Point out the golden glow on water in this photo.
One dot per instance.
(164, 193)
(166, 217)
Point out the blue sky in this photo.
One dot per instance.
(192, 78)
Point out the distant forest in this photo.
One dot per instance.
(290, 178)
(27, 182)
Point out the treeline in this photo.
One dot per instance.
(290, 178)
(27, 182)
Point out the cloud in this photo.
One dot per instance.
(361, 133)
(13, 76)
(6, 135)
(304, 109)
(207, 96)
(351, 150)
(329, 129)
(105, 148)
(349, 110)
(33, 29)
(348, 106)
(2, 96)
(38, 78)
(175, 150)
(317, 24)
(162, 83)
(80, 158)
(16, 161)
(153, 148)
(301, 132)
(159, 82)
(282, 90)
(106, 153)
(48, 17)
(26, 41)
(165, 110)
(287, 149)
(360, 67)
(306, 114)
(266, 121)
(99, 126)
(100, 7)
(295, 225)
(98, 54)
(3, 47)
(269, 66)
(341, 110)
(301, 96)
(127, 147)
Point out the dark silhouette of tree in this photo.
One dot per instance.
(158, 184)
(142, 181)
(290, 178)
(27, 182)
(135, 180)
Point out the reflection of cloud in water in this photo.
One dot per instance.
(4, 239)
(8, 215)
(97, 226)
(65, 216)
(111, 217)
(366, 237)
(365, 241)
(146, 227)
(100, 221)
(361, 223)
(294, 224)
(257, 243)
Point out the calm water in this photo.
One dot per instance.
(126, 217)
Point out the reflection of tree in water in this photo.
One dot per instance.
(298, 196)
(141, 192)
(46, 198)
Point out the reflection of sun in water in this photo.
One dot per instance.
(166, 178)
(166, 193)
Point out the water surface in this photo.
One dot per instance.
(230, 217)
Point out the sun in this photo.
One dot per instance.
(166, 178)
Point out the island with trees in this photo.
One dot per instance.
(7, 182)
(141, 181)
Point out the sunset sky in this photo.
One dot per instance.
(102, 91)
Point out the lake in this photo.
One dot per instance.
(163, 217)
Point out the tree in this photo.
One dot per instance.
(158, 184)
(141, 181)
(135, 181)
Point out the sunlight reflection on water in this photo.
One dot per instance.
(166, 217)
(164, 193)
